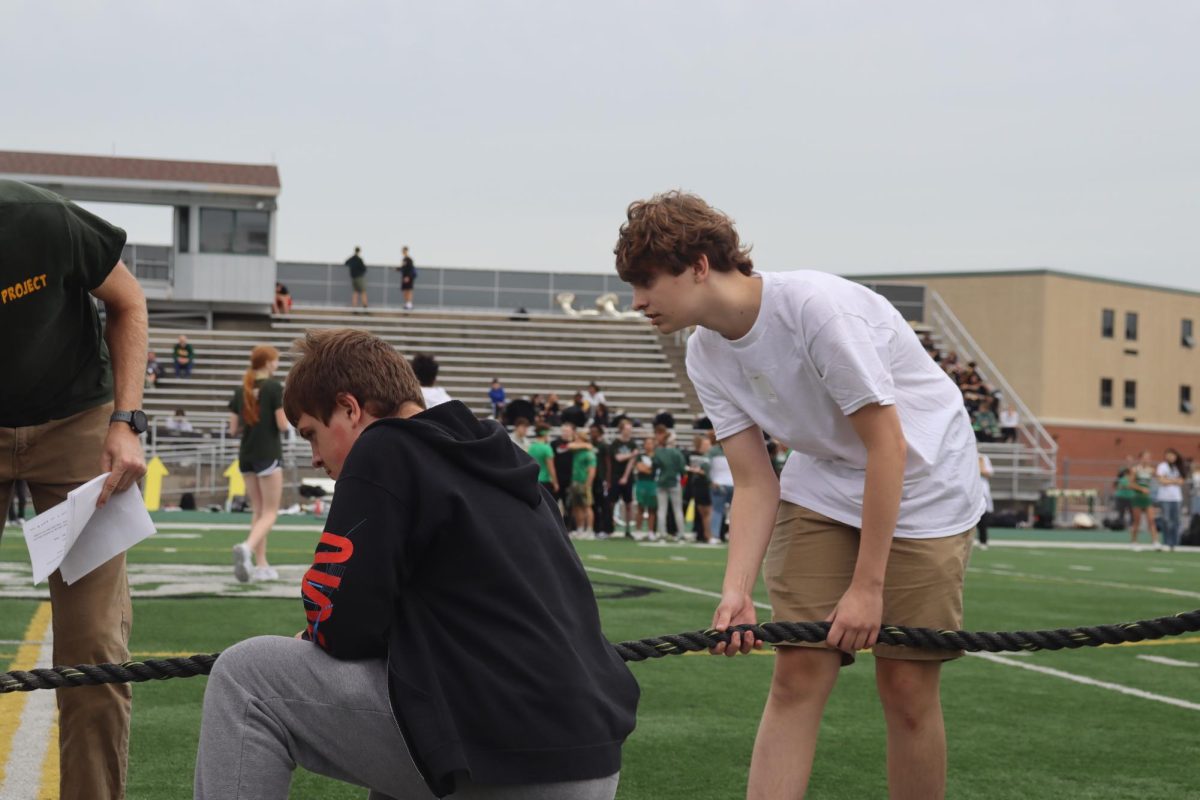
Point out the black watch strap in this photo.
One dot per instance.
(135, 419)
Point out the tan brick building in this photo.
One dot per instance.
(1109, 367)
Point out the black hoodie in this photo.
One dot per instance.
(443, 554)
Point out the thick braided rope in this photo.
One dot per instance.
(677, 644)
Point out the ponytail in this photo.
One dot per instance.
(259, 358)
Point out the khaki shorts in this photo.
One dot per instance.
(579, 495)
(810, 562)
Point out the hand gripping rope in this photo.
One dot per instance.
(677, 644)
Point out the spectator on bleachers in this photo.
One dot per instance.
(984, 421)
(179, 423)
(520, 433)
(358, 278)
(539, 406)
(601, 416)
(593, 395)
(408, 278)
(184, 356)
(552, 411)
(283, 300)
(496, 397)
(575, 413)
(1009, 420)
(154, 370)
(425, 367)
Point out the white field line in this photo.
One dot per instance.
(1169, 662)
(1035, 544)
(1086, 681)
(1085, 582)
(1070, 676)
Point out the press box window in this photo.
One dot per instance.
(1106, 392)
(1131, 326)
(228, 231)
(1131, 394)
(1107, 321)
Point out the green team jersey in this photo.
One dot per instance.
(584, 460)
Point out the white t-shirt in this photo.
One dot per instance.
(1009, 418)
(821, 348)
(1168, 493)
(435, 396)
(986, 470)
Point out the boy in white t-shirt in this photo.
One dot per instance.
(879, 496)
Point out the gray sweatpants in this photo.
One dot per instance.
(273, 703)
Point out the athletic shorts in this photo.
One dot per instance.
(260, 468)
(623, 491)
(1140, 500)
(646, 495)
(579, 495)
(810, 562)
(359, 284)
(406, 282)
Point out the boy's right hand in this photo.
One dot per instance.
(736, 608)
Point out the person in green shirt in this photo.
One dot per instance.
(669, 467)
(184, 356)
(645, 492)
(541, 452)
(579, 496)
(1123, 497)
(257, 408)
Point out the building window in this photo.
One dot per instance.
(228, 231)
(1185, 334)
(183, 236)
(1185, 399)
(1107, 321)
(1131, 394)
(1131, 326)
(1106, 392)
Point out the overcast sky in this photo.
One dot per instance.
(851, 137)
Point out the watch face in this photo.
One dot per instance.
(138, 421)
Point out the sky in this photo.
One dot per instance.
(851, 137)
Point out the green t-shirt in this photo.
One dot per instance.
(543, 454)
(669, 466)
(1124, 492)
(584, 460)
(260, 442)
(52, 254)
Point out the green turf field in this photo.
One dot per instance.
(1107, 723)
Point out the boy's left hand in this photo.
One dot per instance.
(856, 619)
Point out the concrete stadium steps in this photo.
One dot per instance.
(539, 354)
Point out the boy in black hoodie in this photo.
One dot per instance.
(453, 645)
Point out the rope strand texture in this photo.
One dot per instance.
(677, 644)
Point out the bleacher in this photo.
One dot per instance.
(539, 353)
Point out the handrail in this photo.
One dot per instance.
(952, 328)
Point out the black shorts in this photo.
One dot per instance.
(624, 492)
(406, 282)
(701, 492)
(260, 468)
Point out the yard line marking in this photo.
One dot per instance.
(1080, 568)
(1160, 569)
(1170, 662)
(679, 587)
(1086, 681)
(1085, 582)
(28, 717)
(679, 558)
(597, 557)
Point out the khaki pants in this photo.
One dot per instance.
(92, 617)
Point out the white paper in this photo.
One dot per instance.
(76, 537)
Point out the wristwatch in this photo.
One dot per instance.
(136, 419)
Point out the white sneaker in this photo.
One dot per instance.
(265, 574)
(241, 562)
(981, 545)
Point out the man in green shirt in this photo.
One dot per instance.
(62, 371)
(579, 496)
(669, 466)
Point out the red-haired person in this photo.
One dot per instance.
(257, 410)
(872, 516)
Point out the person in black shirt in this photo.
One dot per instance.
(408, 277)
(358, 278)
(439, 528)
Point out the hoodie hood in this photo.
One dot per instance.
(481, 447)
